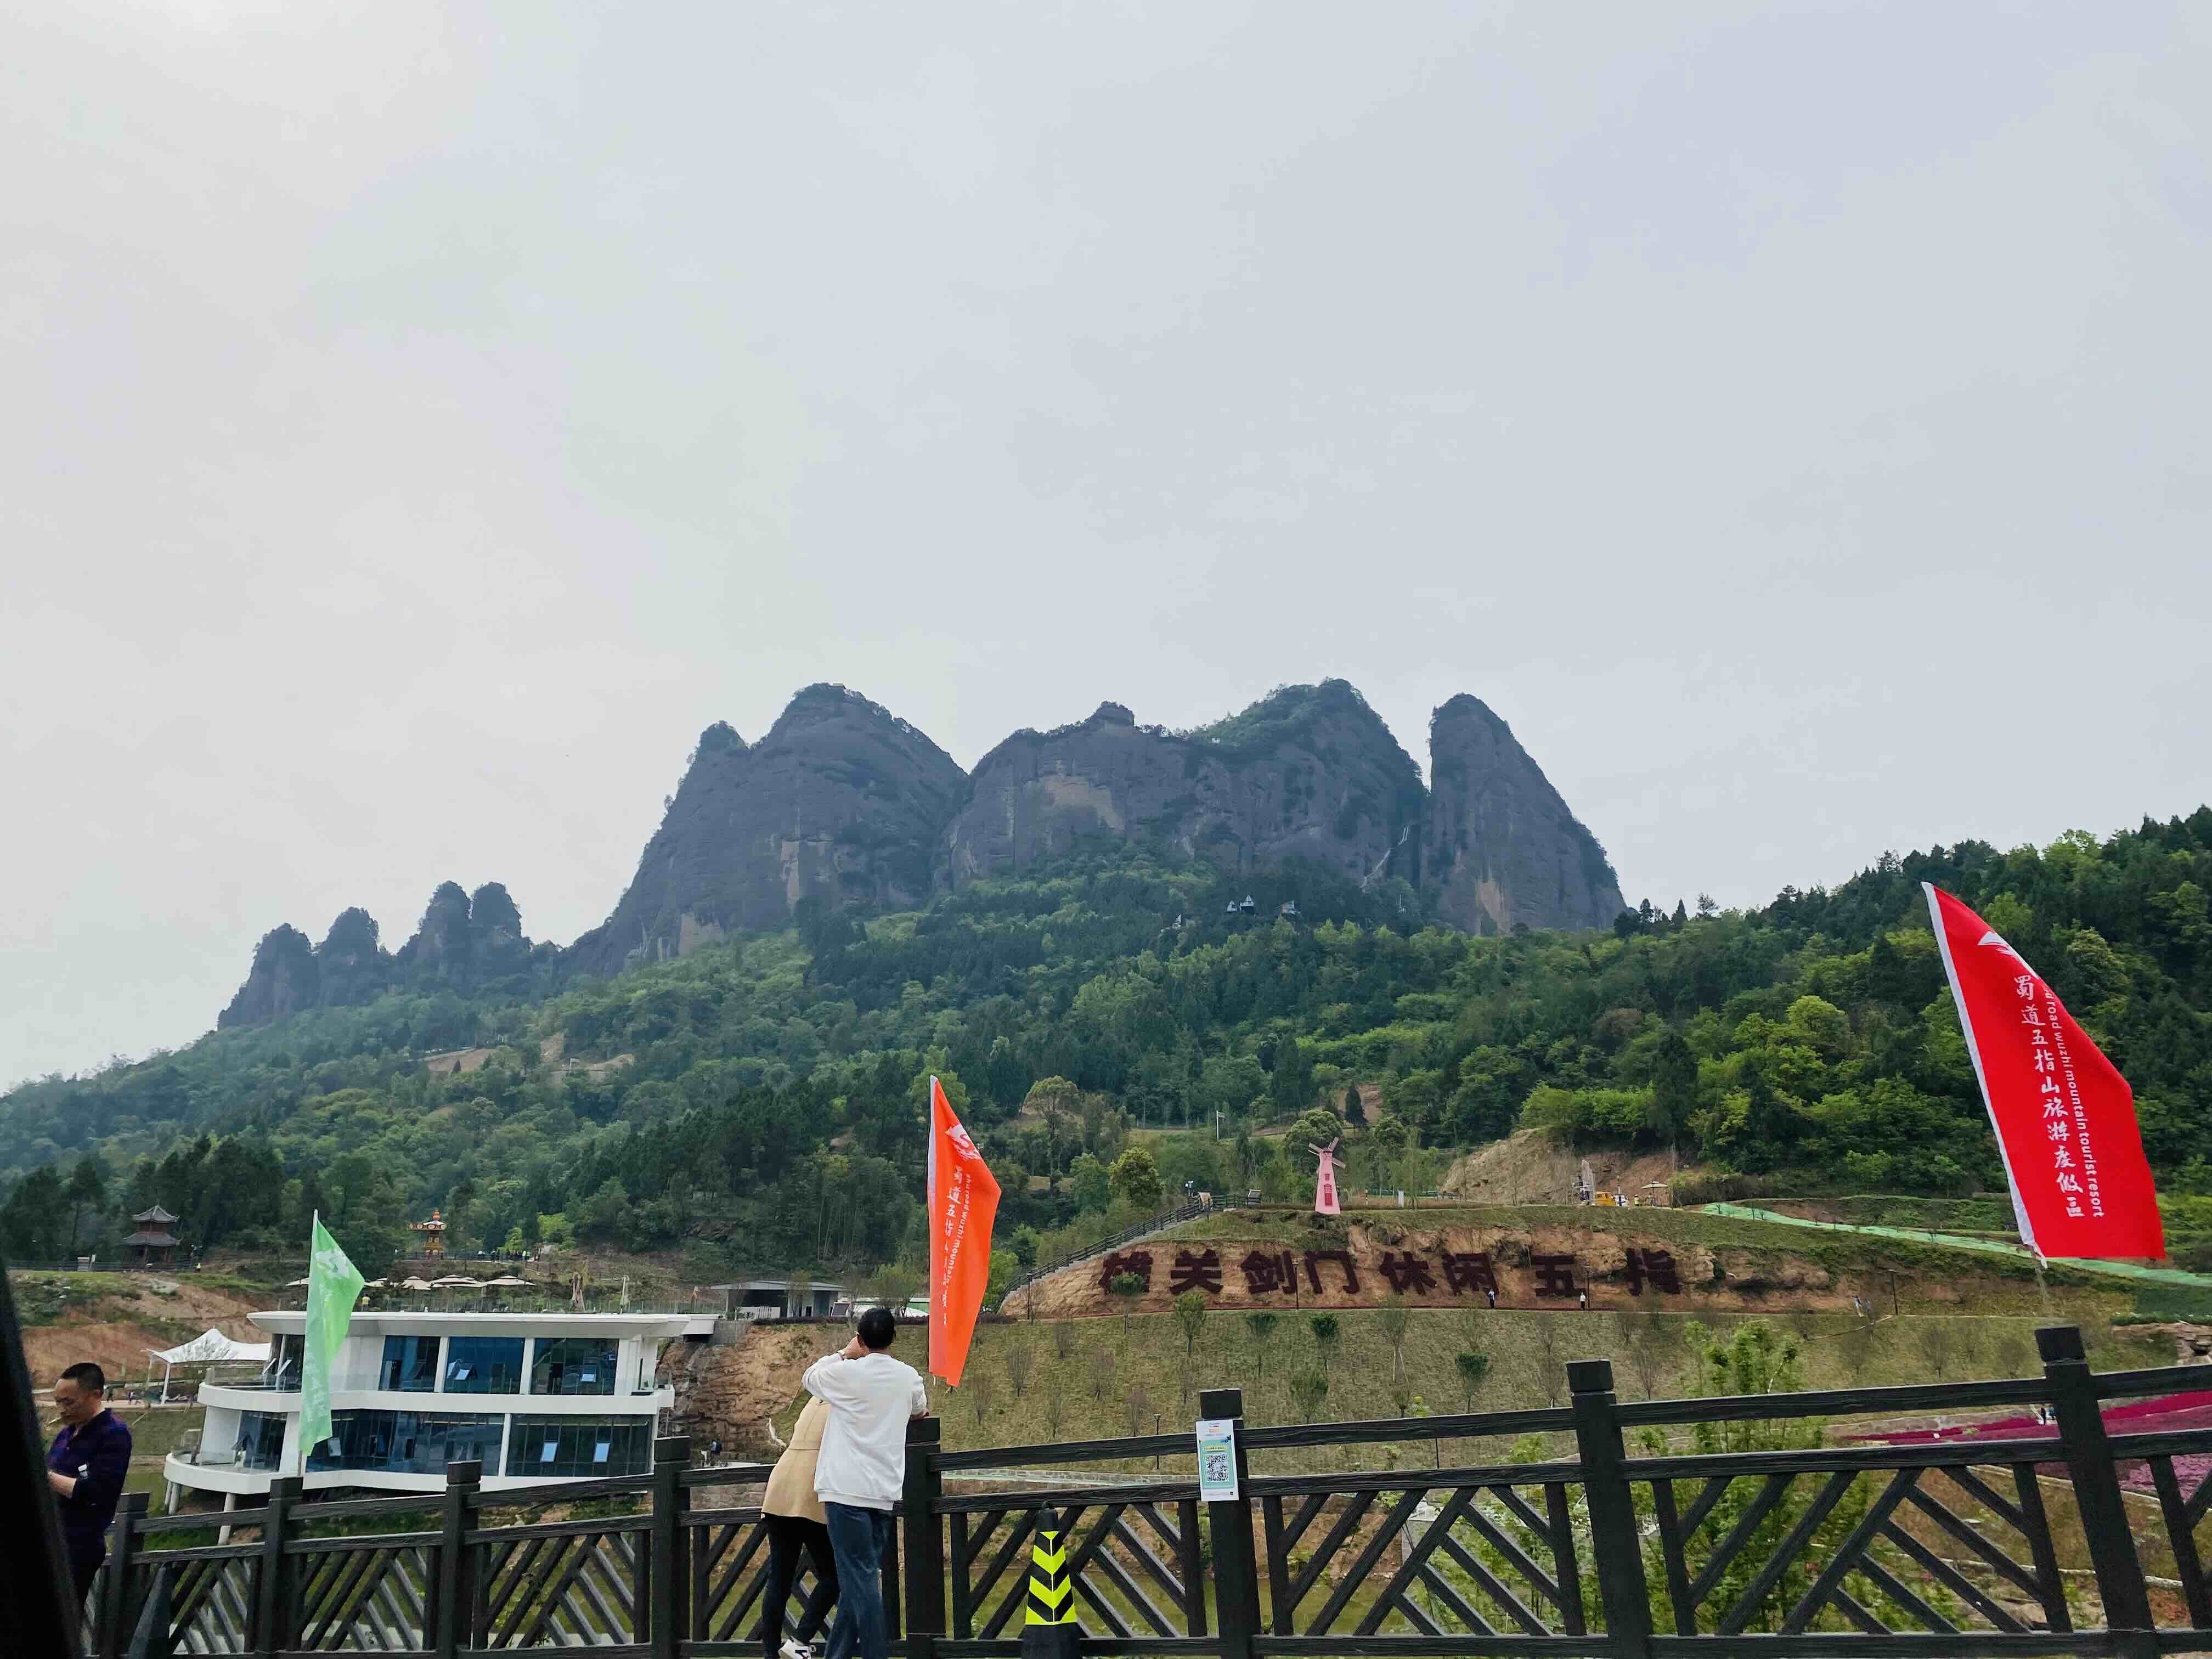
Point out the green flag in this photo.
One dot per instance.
(333, 1286)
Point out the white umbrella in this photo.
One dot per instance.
(506, 1281)
(455, 1279)
(295, 1283)
(413, 1284)
(209, 1347)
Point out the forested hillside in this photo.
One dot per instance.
(758, 1103)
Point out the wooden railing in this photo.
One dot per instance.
(1605, 1535)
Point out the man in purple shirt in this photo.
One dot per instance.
(85, 1467)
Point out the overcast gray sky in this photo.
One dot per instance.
(414, 427)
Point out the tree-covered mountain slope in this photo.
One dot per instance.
(759, 1100)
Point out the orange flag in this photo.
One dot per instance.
(963, 1200)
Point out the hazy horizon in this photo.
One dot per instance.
(420, 425)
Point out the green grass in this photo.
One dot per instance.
(1527, 1353)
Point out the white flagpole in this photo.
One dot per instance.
(314, 1222)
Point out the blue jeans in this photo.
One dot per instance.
(857, 1537)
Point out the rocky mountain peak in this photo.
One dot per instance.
(1307, 771)
(282, 980)
(1501, 849)
(353, 967)
(841, 801)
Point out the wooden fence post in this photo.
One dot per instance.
(452, 1602)
(1615, 1538)
(921, 1556)
(114, 1613)
(2096, 1484)
(271, 1615)
(665, 1600)
(1235, 1565)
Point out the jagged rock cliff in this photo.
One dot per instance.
(463, 943)
(1501, 849)
(844, 803)
(282, 980)
(354, 969)
(841, 801)
(1308, 771)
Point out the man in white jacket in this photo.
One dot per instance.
(861, 1472)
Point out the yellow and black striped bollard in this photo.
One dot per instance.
(1050, 1632)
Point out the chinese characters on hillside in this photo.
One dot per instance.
(1407, 1273)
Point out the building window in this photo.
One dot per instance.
(483, 1364)
(573, 1364)
(543, 1447)
(284, 1361)
(260, 1440)
(410, 1364)
(407, 1443)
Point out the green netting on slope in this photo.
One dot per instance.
(2174, 1276)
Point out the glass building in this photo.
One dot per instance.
(528, 1397)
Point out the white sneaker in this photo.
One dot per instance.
(796, 1650)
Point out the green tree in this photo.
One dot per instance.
(1755, 1359)
(1094, 1185)
(1054, 1101)
(1394, 1318)
(87, 1190)
(1309, 1388)
(367, 1214)
(1674, 1087)
(1291, 1085)
(1190, 1316)
(1136, 1177)
(1004, 1270)
(1471, 1368)
(1328, 1338)
(1262, 1326)
(30, 1220)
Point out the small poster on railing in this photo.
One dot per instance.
(1217, 1459)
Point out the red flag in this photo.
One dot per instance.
(963, 1200)
(2065, 1118)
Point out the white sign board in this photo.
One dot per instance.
(1217, 1459)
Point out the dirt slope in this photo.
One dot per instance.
(112, 1319)
(1531, 1167)
(731, 1393)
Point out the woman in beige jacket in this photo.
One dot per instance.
(792, 1515)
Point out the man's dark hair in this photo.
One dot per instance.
(877, 1329)
(88, 1376)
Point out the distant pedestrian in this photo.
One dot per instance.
(861, 1472)
(792, 1515)
(85, 1467)
(1492, 1295)
(1582, 1300)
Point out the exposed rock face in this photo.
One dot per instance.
(731, 1392)
(282, 980)
(469, 945)
(1309, 771)
(841, 801)
(440, 949)
(1501, 849)
(353, 967)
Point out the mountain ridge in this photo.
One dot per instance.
(844, 804)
